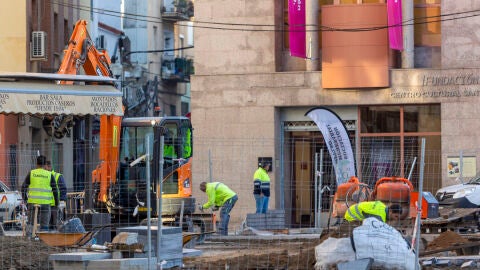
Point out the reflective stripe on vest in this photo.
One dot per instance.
(357, 215)
(40, 191)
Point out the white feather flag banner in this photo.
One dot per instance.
(338, 143)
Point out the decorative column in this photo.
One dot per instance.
(311, 19)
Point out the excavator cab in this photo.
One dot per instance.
(131, 188)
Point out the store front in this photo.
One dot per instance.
(388, 144)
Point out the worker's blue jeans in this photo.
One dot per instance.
(261, 203)
(225, 214)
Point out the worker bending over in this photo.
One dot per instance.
(376, 209)
(219, 195)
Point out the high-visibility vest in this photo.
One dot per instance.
(363, 210)
(56, 175)
(40, 191)
(218, 193)
(262, 175)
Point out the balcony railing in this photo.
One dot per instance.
(177, 70)
(181, 10)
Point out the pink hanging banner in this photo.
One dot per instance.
(395, 33)
(296, 22)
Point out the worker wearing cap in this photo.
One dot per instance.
(376, 209)
(62, 195)
(261, 187)
(40, 188)
(219, 195)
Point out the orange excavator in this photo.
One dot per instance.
(120, 180)
(81, 52)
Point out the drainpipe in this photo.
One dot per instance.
(408, 60)
(311, 19)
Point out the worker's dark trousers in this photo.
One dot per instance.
(225, 214)
(57, 217)
(43, 216)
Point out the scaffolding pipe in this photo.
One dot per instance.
(159, 201)
(419, 205)
(149, 211)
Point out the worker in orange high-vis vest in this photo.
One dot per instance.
(40, 188)
(376, 209)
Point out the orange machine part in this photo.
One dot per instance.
(392, 189)
(343, 188)
(339, 205)
(184, 174)
(413, 206)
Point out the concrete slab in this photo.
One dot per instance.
(132, 264)
(294, 236)
(171, 240)
(79, 256)
(75, 260)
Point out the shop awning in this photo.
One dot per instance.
(30, 93)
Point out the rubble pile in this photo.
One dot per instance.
(24, 253)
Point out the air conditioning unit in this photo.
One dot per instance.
(37, 48)
(101, 42)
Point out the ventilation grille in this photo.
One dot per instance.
(38, 45)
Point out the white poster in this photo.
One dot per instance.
(338, 143)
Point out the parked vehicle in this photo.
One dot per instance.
(465, 195)
(11, 204)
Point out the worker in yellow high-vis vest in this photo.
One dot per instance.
(261, 187)
(57, 210)
(376, 209)
(219, 195)
(40, 188)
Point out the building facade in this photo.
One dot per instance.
(248, 87)
(32, 39)
(157, 75)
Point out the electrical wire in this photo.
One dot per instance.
(320, 28)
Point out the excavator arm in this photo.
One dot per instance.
(81, 52)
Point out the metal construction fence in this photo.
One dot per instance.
(302, 170)
(303, 180)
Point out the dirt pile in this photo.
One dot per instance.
(445, 240)
(255, 254)
(23, 253)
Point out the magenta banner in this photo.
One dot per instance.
(296, 22)
(395, 34)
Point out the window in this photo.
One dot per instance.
(390, 143)
(380, 119)
(427, 23)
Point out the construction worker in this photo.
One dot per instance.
(261, 187)
(58, 210)
(39, 188)
(219, 195)
(376, 209)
